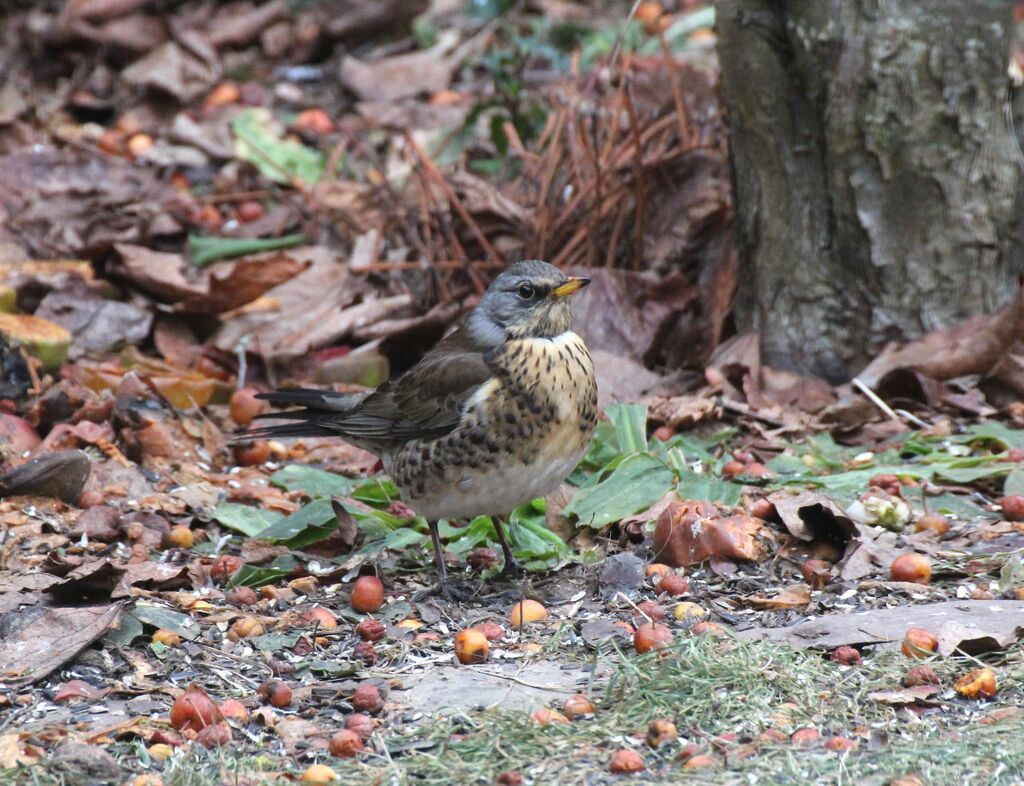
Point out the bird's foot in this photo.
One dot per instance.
(512, 569)
(450, 591)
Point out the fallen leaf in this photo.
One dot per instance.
(914, 695)
(15, 752)
(1000, 620)
(214, 290)
(173, 69)
(795, 597)
(96, 323)
(690, 531)
(298, 734)
(79, 689)
(402, 76)
(810, 515)
(37, 640)
(315, 308)
(974, 346)
(91, 581)
(685, 411)
(238, 27)
(68, 204)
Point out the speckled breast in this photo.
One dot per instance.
(520, 435)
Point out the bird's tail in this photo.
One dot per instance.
(321, 411)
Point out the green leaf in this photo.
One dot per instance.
(378, 491)
(275, 642)
(258, 141)
(532, 540)
(246, 519)
(257, 576)
(693, 485)
(308, 524)
(334, 668)
(311, 481)
(634, 485)
(480, 530)
(991, 432)
(125, 633)
(971, 474)
(205, 250)
(1014, 483)
(630, 422)
(958, 506)
(162, 617)
(786, 464)
(399, 539)
(1011, 574)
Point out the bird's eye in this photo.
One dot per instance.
(526, 291)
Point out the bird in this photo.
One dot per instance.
(498, 413)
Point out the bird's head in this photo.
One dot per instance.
(527, 300)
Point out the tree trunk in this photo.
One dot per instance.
(876, 176)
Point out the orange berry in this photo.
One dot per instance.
(626, 760)
(527, 611)
(911, 567)
(980, 682)
(577, 706)
(471, 646)
(919, 643)
(367, 594)
(651, 636)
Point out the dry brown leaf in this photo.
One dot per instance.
(39, 640)
(216, 289)
(690, 532)
(998, 619)
(685, 411)
(15, 752)
(795, 597)
(173, 69)
(914, 695)
(79, 689)
(973, 347)
(403, 76)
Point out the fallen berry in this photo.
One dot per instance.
(911, 567)
(527, 611)
(345, 744)
(919, 643)
(577, 706)
(367, 594)
(626, 760)
(471, 646)
(651, 636)
(980, 682)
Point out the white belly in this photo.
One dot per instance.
(494, 491)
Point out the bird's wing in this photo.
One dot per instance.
(425, 402)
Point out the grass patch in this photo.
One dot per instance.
(710, 688)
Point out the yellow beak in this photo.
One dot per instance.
(570, 286)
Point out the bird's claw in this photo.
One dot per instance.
(512, 570)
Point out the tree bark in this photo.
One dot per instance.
(876, 176)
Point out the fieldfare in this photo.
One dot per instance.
(497, 414)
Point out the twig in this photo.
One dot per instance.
(889, 411)
(743, 409)
(677, 95)
(638, 183)
(33, 375)
(453, 198)
(237, 196)
(621, 596)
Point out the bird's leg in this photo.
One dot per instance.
(442, 569)
(511, 567)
